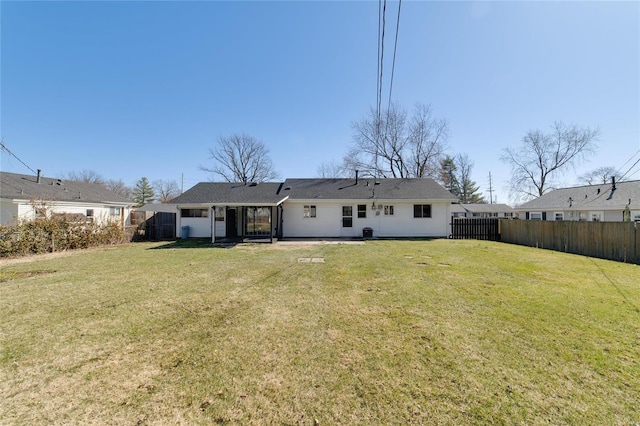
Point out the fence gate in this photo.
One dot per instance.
(475, 228)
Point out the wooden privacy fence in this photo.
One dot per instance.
(618, 241)
(475, 228)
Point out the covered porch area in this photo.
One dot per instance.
(246, 223)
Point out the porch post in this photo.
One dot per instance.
(213, 224)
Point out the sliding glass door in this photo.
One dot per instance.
(257, 221)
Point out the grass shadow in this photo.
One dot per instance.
(195, 243)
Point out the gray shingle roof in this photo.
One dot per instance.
(314, 189)
(484, 208)
(231, 193)
(15, 186)
(366, 188)
(594, 197)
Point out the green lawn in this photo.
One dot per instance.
(387, 332)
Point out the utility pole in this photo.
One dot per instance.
(490, 189)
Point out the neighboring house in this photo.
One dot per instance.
(305, 208)
(25, 197)
(482, 210)
(612, 202)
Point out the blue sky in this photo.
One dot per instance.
(132, 89)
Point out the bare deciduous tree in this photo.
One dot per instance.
(88, 176)
(541, 156)
(599, 175)
(332, 169)
(166, 190)
(241, 158)
(391, 145)
(119, 187)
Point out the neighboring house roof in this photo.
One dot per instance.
(481, 208)
(15, 186)
(232, 194)
(366, 188)
(589, 197)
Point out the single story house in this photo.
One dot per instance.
(611, 202)
(315, 208)
(482, 210)
(27, 197)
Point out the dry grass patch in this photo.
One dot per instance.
(379, 333)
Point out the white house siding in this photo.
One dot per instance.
(8, 212)
(328, 220)
(613, 216)
(199, 227)
(101, 213)
(221, 230)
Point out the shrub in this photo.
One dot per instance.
(58, 233)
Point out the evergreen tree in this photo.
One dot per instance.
(455, 175)
(468, 188)
(447, 175)
(143, 192)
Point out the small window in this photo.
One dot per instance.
(347, 216)
(309, 211)
(388, 210)
(114, 211)
(559, 216)
(422, 210)
(194, 212)
(89, 214)
(219, 216)
(362, 211)
(535, 216)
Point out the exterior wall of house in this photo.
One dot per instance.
(199, 227)
(329, 220)
(613, 216)
(101, 214)
(581, 215)
(8, 212)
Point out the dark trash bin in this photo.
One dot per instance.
(367, 233)
(185, 232)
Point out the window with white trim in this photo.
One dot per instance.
(309, 211)
(194, 212)
(559, 216)
(114, 211)
(388, 210)
(347, 216)
(362, 211)
(535, 216)
(422, 210)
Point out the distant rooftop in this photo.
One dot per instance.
(15, 186)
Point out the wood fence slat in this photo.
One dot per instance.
(619, 241)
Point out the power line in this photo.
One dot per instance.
(630, 168)
(8, 151)
(384, 20)
(378, 62)
(629, 160)
(395, 47)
